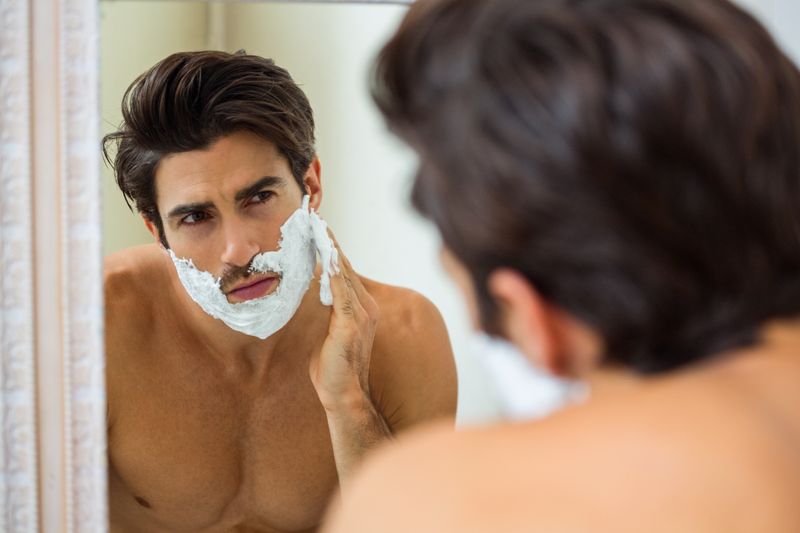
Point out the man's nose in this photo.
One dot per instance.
(239, 247)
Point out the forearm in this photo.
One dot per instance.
(356, 427)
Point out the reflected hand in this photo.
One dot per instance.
(340, 372)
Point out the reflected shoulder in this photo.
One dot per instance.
(439, 481)
(405, 314)
(136, 261)
(403, 487)
(131, 280)
(132, 287)
(580, 470)
(413, 374)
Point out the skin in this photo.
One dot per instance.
(211, 430)
(713, 447)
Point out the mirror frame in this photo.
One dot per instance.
(52, 395)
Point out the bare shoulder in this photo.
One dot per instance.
(392, 494)
(413, 370)
(132, 279)
(131, 262)
(403, 307)
(631, 464)
(510, 478)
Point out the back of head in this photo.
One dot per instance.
(189, 100)
(637, 160)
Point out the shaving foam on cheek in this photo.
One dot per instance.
(328, 257)
(302, 236)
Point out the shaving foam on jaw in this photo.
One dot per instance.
(328, 256)
(303, 235)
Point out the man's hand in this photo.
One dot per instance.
(340, 372)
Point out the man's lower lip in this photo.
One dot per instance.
(256, 290)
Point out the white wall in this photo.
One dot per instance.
(782, 17)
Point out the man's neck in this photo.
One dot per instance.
(235, 349)
(232, 347)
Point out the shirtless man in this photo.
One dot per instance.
(617, 184)
(212, 428)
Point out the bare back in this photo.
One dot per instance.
(712, 448)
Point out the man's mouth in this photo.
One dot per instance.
(253, 289)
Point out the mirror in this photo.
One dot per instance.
(55, 432)
(366, 172)
(366, 175)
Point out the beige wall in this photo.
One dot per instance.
(133, 36)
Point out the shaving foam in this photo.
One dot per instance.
(303, 235)
(525, 391)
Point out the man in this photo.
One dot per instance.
(238, 400)
(617, 185)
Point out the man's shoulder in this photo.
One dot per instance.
(409, 322)
(134, 262)
(404, 311)
(598, 467)
(132, 280)
(413, 375)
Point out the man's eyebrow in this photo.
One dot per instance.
(185, 209)
(266, 181)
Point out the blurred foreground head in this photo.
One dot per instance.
(638, 161)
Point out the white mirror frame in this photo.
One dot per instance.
(53, 399)
(52, 383)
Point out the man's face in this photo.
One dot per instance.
(224, 205)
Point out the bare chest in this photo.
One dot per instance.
(190, 451)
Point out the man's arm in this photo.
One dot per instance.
(374, 376)
(340, 372)
(412, 377)
(356, 427)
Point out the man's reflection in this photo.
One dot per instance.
(219, 421)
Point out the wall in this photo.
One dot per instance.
(782, 18)
(133, 37)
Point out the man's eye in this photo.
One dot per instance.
(261, 197)
(194, 218)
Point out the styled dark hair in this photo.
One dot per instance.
(189, 100)
(637, 160)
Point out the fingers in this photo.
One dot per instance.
(344, 294)
(356, 294)
(353, 280)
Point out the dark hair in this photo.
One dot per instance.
(189, 100)
(637, 160)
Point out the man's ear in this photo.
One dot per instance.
(552, 339)
(153, 229)
(312, 183)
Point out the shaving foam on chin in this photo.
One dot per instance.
(328, 256)
(303, 235)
